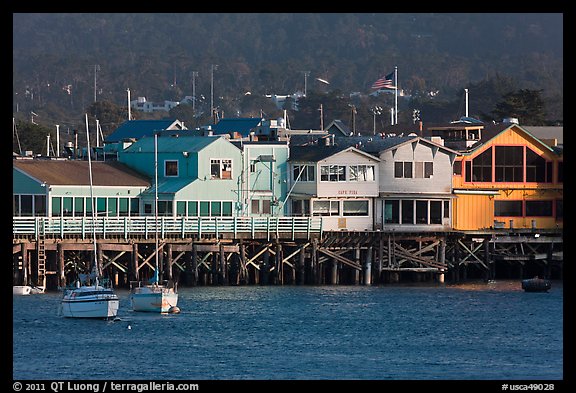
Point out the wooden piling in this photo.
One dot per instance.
(368, 267)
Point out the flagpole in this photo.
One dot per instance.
(396, 95)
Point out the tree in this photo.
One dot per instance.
(525, 104)
(32, 137)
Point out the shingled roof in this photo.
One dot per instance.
(74, 172)
(139, 128)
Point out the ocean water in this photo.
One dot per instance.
(473, 331)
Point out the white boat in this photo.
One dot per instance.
(21, 290)
(89, 298)
(90, 301)
(155, 295)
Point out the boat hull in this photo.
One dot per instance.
(153, 299)
(90, 302)
(21, 290)
(536, 285)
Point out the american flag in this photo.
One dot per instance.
(384, 82)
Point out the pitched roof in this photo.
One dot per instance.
(75, 172)
(242, 125)
(171, 144)
(139, 128)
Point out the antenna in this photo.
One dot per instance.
(466, 92)
(129, 108)
(15, 131)
(57, 140)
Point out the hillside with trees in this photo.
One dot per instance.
(66, 65)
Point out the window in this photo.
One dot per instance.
(255, 206)
(227, 209)
(220, 169)
(457, 169)
(123, 207)
(446, 209)
(134, 206)
(26, 205)
(560, 171)
(306, 173)
(170, 168)
(16, 205)
(355, 208)
(435, 212)
(332, 173)
(361, 172)
(100, 206)
(423, 169)
(559, 209)
(535, 167)
(325, 208)
(266, 206)
(509, 163)
(112, 207)
(300, 207)
(66, 206)
(147, 208)
(403, 169)
(204, 208)
(468, 166)
(391, 212)
(164, 208)
(482, 167)
(508, 208)
(421, 212)
(192, 208)
(56, 206)
(215, 209)
(407, 212)
(180, 208)
(40, 205)
(538, 208)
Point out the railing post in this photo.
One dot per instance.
(235, 227)
(252, 226)
(268, 227)
(125, 227)
(216, 226)
(199, 227)
(182, 221)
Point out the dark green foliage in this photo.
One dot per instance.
(155, 55)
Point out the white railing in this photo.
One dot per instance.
(180, 226)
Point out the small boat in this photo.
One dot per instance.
(21, 290)
(90, 301)
(156, 295)
(91, 296)
(536, 284)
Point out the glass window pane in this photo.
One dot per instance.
(180, 208)
(407, 169)
(101, 206)
(227, 209)
(16, 205)
(67, 203)
(391, 212)
(407, 212)
(204, 209)
(26, 205)
(370, 173)
(321, 208)
(435, 212)
(215, 209)
(134, 206)
(508, 208)
(538, 208)
(428, 169)
(421, 212)
(123, 206)
(419, 169)
(255, 206)
(355, 208)
(40, 205)
(266, 206)
(56, 206)
(192, 208)
(353, 173)
(112, 207)
(398, 169)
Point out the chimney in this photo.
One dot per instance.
(420, 126)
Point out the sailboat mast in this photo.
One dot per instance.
(156, 199)
(95, 266)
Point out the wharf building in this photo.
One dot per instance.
(248, 201)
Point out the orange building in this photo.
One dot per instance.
(505, 177)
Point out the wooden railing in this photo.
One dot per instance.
(287, 227)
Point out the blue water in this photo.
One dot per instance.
(472, 331)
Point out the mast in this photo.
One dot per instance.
(95, 267)
(156, 274)
(396, 95)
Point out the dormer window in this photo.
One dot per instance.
(170, 168)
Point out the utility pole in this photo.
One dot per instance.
(212, 68)
(96, 69)
(194, 75)
(306, 74)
